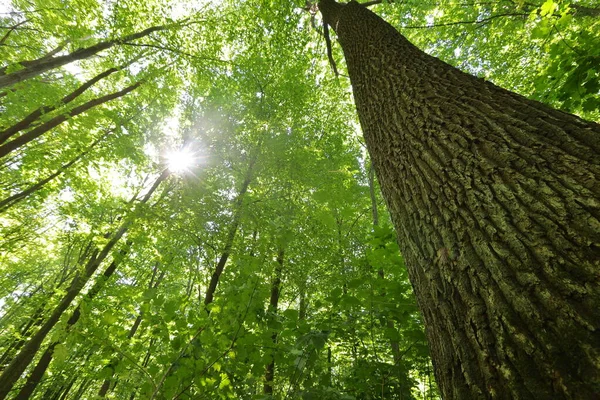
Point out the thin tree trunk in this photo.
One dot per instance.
(108, 384)
(42, 365)
(495, 199)
(27, 353)
(237, 215)
(36, 132)
(302, 307)
(273, 304)
(144, 363)
(36, 114)
(16, 198)
(41, 65)
(24, 333)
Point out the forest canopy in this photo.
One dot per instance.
(187, 206)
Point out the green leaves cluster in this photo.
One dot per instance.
(279, 169)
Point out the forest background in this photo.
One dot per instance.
(187, 208)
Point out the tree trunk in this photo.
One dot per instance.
(17, 197)
(9, 132)
(109, 384)
(28, 352)
(24, 332)
(38, 131)
(495, 201)
(40, 368)
(237, 214)
(273, 304)
(43, 64)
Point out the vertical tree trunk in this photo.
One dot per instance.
(273, 304)
(237, 214)
(495, 199)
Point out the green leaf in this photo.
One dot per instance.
(60, 352)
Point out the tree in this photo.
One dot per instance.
(494, 198)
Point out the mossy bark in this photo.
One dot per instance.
(496, 202)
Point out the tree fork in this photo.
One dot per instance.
(496, 202)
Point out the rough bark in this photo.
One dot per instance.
(273, 305)
(38, 131)
(495, 200)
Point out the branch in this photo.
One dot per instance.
(329, 51)
(476, 22)
(11, 30)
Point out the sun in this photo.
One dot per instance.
(180, 161)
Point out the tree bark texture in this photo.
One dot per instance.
(496, 202)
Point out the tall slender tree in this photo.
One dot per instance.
(495, 200)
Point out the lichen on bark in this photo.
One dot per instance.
(496, 202)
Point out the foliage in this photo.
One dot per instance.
(278, 166)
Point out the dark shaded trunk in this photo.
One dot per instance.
(495, 200)
(36, 67)
(36, 114)
(42, 365)
(38, 131)
(273, 304)
(14, 370)
(24, 332)
(237, 215)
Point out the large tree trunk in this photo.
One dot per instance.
(495, 200)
